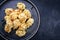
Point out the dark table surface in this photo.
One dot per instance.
(50, 20)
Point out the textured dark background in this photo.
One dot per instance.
(50, 20)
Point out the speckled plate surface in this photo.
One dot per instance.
(12, 4)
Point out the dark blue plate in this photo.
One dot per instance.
(12, 4)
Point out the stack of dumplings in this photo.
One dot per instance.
(19, 19)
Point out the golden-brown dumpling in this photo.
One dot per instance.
(22, 27)
(29, 22)
(7, 28)
(16, 23)
(22, 17)
(20, 33)
(9, 23)
(13, 15)
(18, 11)
(21, 5)
(8, 11)
(27, 13)
(7, 18)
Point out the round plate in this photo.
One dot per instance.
(12, 4)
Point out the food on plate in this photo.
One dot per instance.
(20, 33)
(18, 11)
(7, 28)
(8, 11)
(29, 22)
(22, 17)
(13, 15)
(23, 27)
(16, 23)
(27, 13)
(21, 5)
(19, 19)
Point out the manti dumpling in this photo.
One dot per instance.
(20, 33)
(27, 13)
(23, 27)
(8, 11)
(21, 5)
(16, 24)
(13, 15)
(29, 22)
(22, 17)
(7, 28)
